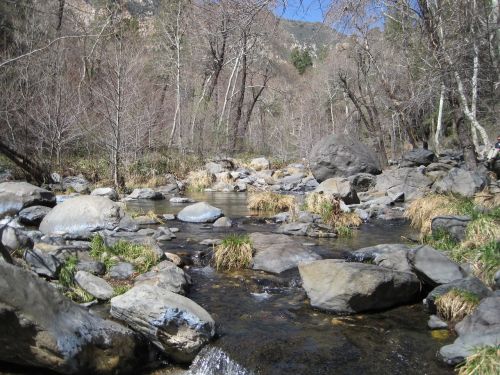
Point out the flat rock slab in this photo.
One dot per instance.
(455, 226)
(391, 256)
(348, 288)
(145, 194)
(166, 275)
(433, 267)
(86, 214)
(277, 253)
(173, 323)
(200, 212)
(106, 192)
(94, 285)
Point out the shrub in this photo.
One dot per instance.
(235, 252)
(199, 180)
(271, 202)
(484, 361)
(79, 295)
(456, 304)
(67, 272)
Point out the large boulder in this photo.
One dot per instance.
(363, 182)
(94, 285)
(417, 157)
(391, 256)
(339, 187)
(42, 328)
(339, 156)
(173, 323)
(481, 328)
(410, 181)
(433, 267)
(348, 288)
(455, 226)
(78, 184)
(461, 181)
(85, 214)
(14, 196)
(33, 215)
(277, 253)
(200, 212)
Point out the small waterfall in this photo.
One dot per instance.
(214, 361)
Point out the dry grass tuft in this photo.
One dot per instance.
(484, 361)
(199, 180)
(272, 202)
(421, 211)
(487, 199)
(234, 253)
(483, 229)
(456, 304)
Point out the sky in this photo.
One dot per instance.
(305, 10)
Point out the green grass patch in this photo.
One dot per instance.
(67, 272)
(143, 257)
(484, 361)
(441, 240)
(121, 289)
(235, 252)
(78, 295)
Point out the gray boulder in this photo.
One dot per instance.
(168, 276)
(433, 267)
(390, 256)
(223, 222)
(121, 271)
(94, 285)
(363, 182)
(181, 200)
(33, 215)
(86, 214)
(306, 229)
(91, 266)
(410, 181)
(145, 193)
(42, 328)
(417, 157)
(260, 164)
(214, 168)
(200, 212)
(435, 322)
(77, 183)
(461, 181)
(14, 196)
(348, 288)
(340, 188)
(339, 156)
(470, 284)
(480, 328)
(455, 226)
(106, 192)
(173, 323)
(276, 253)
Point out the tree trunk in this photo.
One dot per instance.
(464, 137)
(36, 172)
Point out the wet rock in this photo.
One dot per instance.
(91, 266)
(481, 328)
(164, 234)
(224, 222)
(281, 217)
(173, 323)
(461, 181)
(181, 200)
(470, 284)
(433, 267)
(94, 285)
(172, 188)
(200, 212)
(436, 323)
(168, 217)
(306, 229)
(175, 259)
(276, 253)
(497, 279)
(79, 184)
(339, 156)
(14, 196)
(455, 226)
(348, 288)
(106, 192)
(145, 193)
(390, 256)
(121, 271)
(417, 157)
(168, 276)
(211, 242)
(260, 164)
(410, 181)
(340, 188)
(86, 214)
(33, 215)
(42, 328)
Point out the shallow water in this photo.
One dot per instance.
(266, 325)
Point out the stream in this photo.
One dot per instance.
(265, 324)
